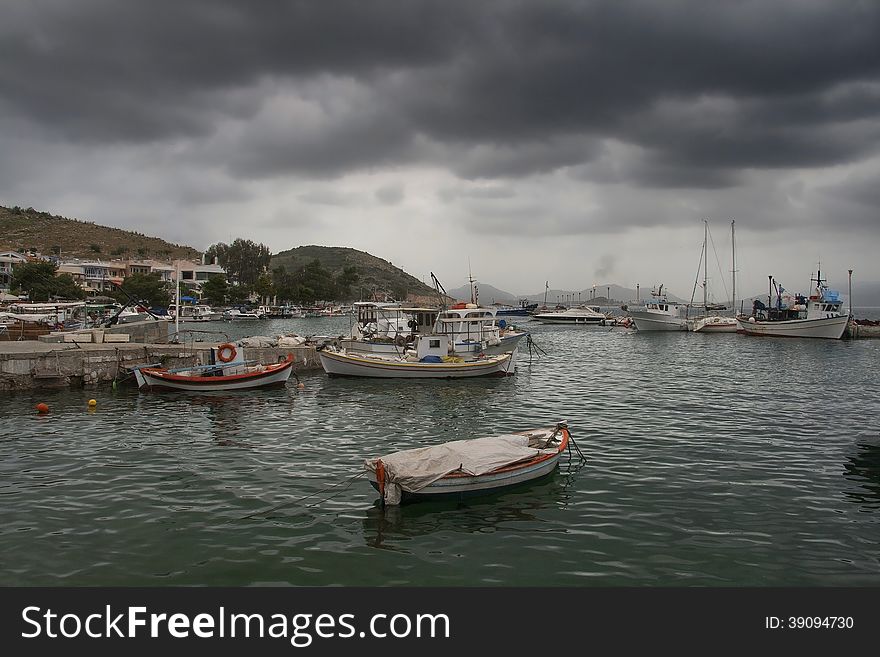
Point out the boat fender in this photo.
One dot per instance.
(226, 352)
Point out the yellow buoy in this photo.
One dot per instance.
(93, 402)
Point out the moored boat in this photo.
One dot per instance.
(430, 360)
(817, 316)
(659, 314)
(465, 468)
(578, 315)
(229, 372)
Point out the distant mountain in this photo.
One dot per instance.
(26, 230)
(376, 277)
(599, 294)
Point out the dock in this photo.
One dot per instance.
(31, 364)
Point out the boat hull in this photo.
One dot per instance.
(549, 319)
(829, 328)
(447, 488)
(457, 485)
(656, 322)
(344, 364)
(155, 379)
(715, 325)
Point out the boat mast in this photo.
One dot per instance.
(733, 270)
(705, 268)
(546, 288)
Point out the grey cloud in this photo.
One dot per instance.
(507, 88)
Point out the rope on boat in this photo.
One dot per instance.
(533, 346)
(571, 442)
(349, 481)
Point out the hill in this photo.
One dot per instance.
(24, 230)
(619, 295)
(376, 277)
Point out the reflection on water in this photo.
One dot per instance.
(390, 527)
(863, 468)
(713, 461)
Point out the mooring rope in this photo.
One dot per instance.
(350, 481)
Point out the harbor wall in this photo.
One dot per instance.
(31, 364)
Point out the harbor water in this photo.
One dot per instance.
(713, 460)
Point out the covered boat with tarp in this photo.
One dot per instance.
(463, 468)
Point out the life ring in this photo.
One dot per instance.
(221, 352)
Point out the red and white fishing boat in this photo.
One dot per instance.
(465, 468)
(229, 372)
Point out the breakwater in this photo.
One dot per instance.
(33, 364)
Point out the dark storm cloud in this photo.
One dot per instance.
(486, 89)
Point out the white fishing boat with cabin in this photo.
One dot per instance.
(817, 316)
(659, 314)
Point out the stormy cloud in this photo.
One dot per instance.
(500, 117)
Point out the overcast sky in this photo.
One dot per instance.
(578, 143)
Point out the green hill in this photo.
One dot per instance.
(27, 229)
(375, 275)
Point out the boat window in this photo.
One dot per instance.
(434, 344)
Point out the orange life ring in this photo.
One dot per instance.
(221, 352)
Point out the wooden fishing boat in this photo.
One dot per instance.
(222, 376)
(465, 468)
(432, 358)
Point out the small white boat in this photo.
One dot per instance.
(430, 360)
(229, 372)
(578, 315)
(714, 324)
(236, 314)
(819, 316)
(659, 314)
(465, 468)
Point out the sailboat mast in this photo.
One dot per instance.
(733, 260)
(705, 267)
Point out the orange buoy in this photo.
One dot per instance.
(300, 386)
(42, 408)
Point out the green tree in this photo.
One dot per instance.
(215, 290)
(345, 281)
(148, 288)
(67, 288)
(264, 286)
(39, 281)
(243, 260)
(96, 248)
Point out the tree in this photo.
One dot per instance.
(264, 286)
(243, 260)
(96, 248)
(148, 288)
(67, 288)
(39, 281)
(215, 290)
(345, 281)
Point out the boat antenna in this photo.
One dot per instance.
(850, 293)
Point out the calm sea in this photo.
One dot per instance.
(713, 460)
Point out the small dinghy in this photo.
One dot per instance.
(464, 468)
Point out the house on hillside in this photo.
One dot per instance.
(8, 259)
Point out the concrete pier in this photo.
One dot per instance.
(32, 364)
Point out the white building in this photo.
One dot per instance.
(8, 259)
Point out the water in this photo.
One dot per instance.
(714, 460)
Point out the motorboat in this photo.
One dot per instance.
(817, 316)
(465, 468)
(475, 329)
(234, 314)
(577, 315)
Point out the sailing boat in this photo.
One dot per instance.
(714, 323)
